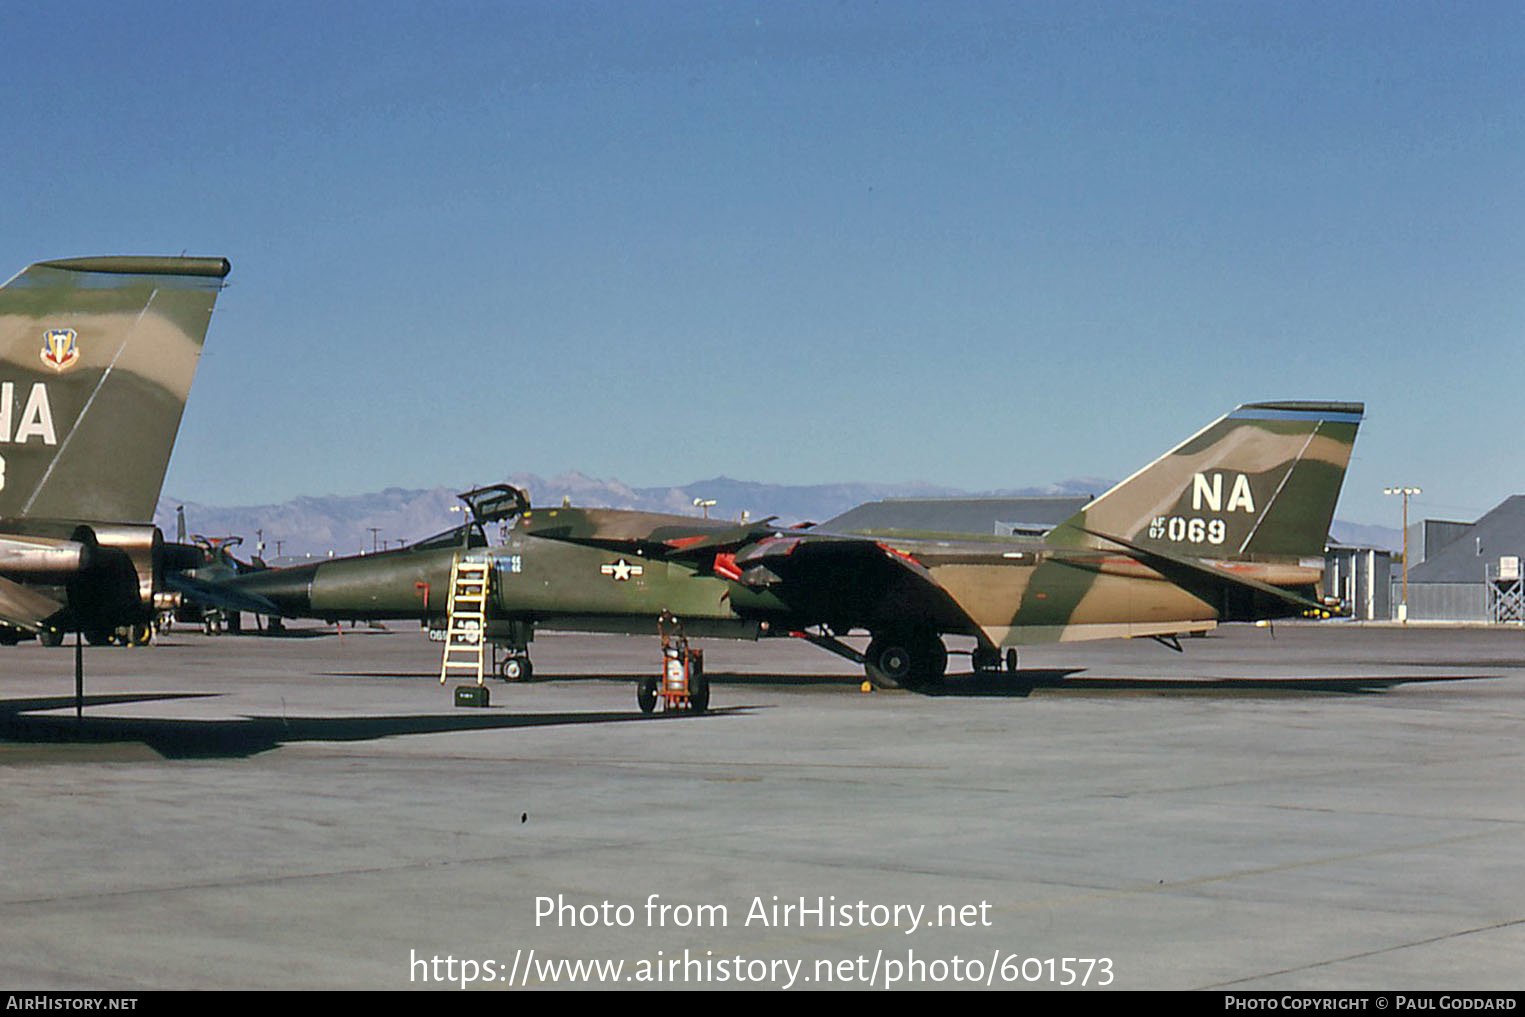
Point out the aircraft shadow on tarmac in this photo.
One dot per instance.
(20, 722)
(171, 638)
(715, 677)
(1024, 683)
(1021, 684)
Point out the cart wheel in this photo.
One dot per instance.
(699, 695)
(646, 695)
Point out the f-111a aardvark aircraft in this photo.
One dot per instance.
(1229, 526)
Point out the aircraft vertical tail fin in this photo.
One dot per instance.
(1258, 484)
(96, 361)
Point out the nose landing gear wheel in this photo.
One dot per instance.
(516, 669)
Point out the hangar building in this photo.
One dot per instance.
(1467, 571)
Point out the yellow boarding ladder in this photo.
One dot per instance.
(466, 617)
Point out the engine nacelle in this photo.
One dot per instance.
(124, 569)
(40, 557)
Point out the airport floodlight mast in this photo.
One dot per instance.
(1403, 606)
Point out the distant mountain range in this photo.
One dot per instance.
(343, 524)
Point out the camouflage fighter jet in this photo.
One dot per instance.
(96, 361)
(1230, 526)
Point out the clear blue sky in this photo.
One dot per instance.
(981, 244)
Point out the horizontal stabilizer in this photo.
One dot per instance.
(25, 608)
(1166, 561)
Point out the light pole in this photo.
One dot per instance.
(1403, 608)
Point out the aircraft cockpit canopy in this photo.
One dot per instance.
(495, 502)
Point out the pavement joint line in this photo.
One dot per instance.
(1396, 947)
(644, 763)
(1265, 870)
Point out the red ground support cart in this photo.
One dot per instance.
(682, 685)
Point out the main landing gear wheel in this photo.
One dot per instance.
(908, 660)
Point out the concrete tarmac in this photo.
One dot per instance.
(1318, 807)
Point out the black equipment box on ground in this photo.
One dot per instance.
(471, 695)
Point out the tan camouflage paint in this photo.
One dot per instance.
(1251, 496)
(1277, 465)
(1287, 460)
